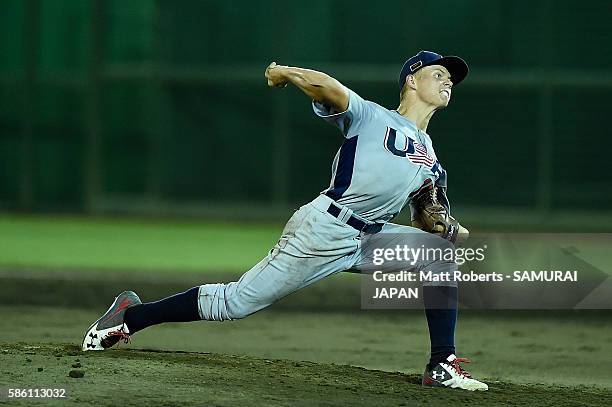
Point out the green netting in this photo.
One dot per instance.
(185, 138)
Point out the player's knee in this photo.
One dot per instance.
(221, 302)
(441, 263)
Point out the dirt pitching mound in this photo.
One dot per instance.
(153, 377)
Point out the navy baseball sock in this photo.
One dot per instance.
(441, 311)
(182, 307)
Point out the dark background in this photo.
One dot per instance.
(156, 107)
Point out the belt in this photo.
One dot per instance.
(354, 222)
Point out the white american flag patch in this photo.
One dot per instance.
(420, 155)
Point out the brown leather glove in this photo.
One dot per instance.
(430, 215)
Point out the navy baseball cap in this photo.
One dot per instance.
(456, 66)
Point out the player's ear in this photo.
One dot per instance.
(411, 81)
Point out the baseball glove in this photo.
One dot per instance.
(430, 215)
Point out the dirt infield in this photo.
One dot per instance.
(315, 347)
(151, 377)
(307, 358)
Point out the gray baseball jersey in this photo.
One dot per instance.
(384, 158)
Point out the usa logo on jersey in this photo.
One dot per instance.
(413, 150)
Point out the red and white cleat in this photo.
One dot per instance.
(109, 328)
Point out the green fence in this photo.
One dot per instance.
(115, 105)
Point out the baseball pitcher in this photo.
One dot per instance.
(386, 162)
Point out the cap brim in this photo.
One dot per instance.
(456, 66)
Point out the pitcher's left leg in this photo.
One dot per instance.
(440, 301)
(313, 246)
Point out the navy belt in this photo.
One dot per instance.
(355, 223)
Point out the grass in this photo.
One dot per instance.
(154, 245)
(56, 243)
